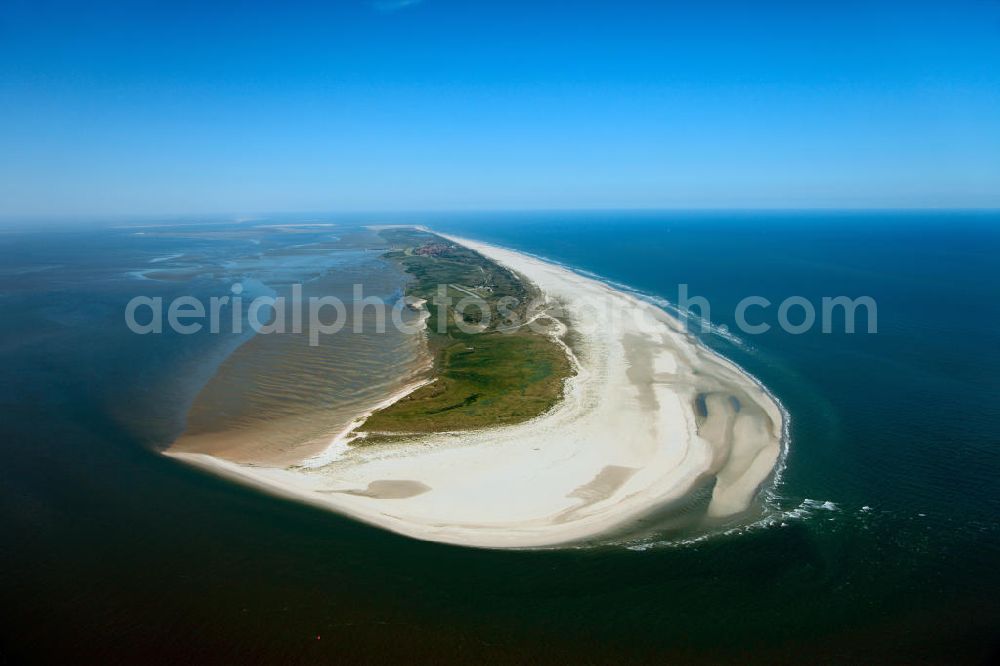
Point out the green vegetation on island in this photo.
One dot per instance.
(490, 369)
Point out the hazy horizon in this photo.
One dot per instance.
(398, 216)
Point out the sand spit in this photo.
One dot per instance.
(649, 416)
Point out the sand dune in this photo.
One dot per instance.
(649, 416)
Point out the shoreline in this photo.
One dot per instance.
(649, 415)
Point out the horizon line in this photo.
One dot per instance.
(248, 216)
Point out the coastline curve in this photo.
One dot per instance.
(648, 417)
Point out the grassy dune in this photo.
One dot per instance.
(493, 372)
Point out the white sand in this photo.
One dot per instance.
(626, 440)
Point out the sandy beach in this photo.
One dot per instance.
(649, 416)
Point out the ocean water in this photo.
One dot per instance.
(878, 542)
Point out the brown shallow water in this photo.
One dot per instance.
(278, 399)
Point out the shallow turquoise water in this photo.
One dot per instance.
(883, 534)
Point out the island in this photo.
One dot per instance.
(556, 410)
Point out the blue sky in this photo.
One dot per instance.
(172, 107)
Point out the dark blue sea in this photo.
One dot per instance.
(881, 541)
